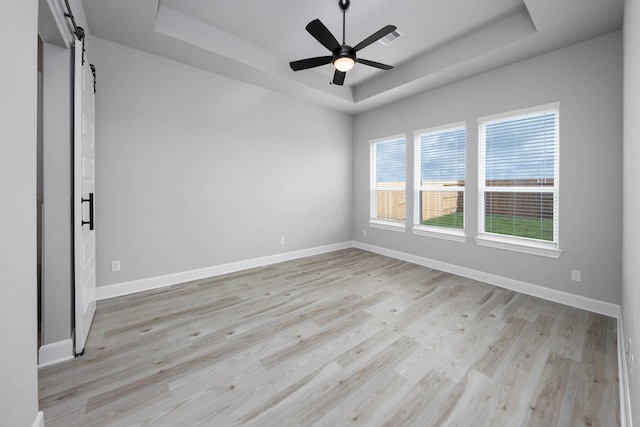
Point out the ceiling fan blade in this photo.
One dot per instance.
(375, 37)
(323, 35)
(338, 78)
(374, 64)
(303, 64)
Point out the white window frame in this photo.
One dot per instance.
(515, 243)
(374, 222)
(453, 234)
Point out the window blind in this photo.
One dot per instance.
(519, 174)
(388, 199)
(440, 169)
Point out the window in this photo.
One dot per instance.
(518, 180)
(439, 182)
(388, 176)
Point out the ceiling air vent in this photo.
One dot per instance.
(391, 37)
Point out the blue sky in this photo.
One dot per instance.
(391, 161)
(443, 155)
(521, 148)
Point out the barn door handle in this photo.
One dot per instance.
(90, 200)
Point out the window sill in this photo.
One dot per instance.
(519, 245)
(444, 233)
(387, 225)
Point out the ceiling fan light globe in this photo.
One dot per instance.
(344, 64)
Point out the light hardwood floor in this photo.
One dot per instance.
(345, 338)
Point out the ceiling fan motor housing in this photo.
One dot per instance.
(345, 51)
(343, 56)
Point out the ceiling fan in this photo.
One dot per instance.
(343, 57)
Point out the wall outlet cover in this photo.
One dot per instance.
(576, 275)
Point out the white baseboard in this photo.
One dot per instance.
(589, 304)
(596, 306)
(50, 354)
(126, 288)
(623, 375)
(64, 350)
(39, 421)
(578, 301)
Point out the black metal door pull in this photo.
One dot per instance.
(90, 200)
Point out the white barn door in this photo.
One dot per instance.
(83, 197)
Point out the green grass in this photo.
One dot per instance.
(454, 220)
(532, 228)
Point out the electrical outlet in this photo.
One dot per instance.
(364, 233)
(282, 240)
(576, 275)
(115, 265)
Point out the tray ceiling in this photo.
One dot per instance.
(442, 41)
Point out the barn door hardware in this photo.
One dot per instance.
(90, 201)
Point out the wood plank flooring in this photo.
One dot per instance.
(345, 338)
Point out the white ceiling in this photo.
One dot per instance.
(443, 40)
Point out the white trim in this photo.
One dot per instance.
(483, 189)
(455, 235)
(126, 288)
(623, 375)
(390, 138)
(439, 128)
(373, 181)
(387, 225)
(64, 28)
(50, 354)
(514, 114)
(578, 301)
(418, 188)
(518, 244)
(516, 189)
(596, 306)
(39, 421)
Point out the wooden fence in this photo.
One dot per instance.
(391, 204)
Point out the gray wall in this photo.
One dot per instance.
(631, 227)
(18, 135)
(57, 289)
(196, 170)
(587, 80)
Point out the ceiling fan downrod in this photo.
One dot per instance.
(343, 56)
(344, 5)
